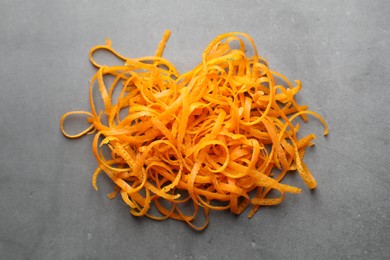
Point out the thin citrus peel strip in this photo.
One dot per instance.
(215, 133)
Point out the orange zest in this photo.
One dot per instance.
(218, 137)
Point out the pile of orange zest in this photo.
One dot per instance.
(211, 137)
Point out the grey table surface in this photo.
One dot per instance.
(339, 49)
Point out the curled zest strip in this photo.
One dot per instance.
(210, 137)
(87, 130)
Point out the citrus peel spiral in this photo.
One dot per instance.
(213, 137)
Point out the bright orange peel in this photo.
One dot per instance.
(211, 137)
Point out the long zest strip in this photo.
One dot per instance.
(213, 134)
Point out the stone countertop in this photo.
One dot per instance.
(340, 50)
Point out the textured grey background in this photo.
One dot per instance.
(340, 51)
